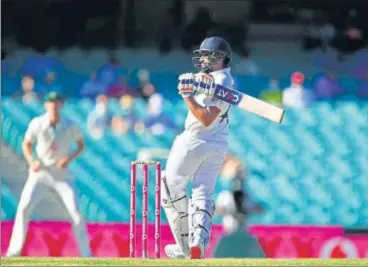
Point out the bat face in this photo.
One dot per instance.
(262, 108)
(249, 103)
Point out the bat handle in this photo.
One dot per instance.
(197, 85)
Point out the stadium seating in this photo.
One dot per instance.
(164, 70)
(312, 169)
(166, 83)
(8, 203)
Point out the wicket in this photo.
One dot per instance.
(132, 228)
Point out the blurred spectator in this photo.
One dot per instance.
(119, 126)
(51, 84)
(157, 121)
(99, 119)
(326, 87)
(110, 73)
(273, 94)
(146, 88)
(27, 93)
(121, 88)
(39, 65)
(92, 88)
(296, 95)
(233, 203)
(127, 103)
(129, 117)
(123, 124)
(126, 121)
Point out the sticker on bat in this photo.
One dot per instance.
(230, 96)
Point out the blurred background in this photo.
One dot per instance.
(301, 187)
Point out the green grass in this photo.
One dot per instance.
(28, 261)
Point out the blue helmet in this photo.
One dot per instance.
(218, 50)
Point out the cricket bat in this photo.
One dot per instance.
(249, 103)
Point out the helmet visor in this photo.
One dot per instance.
(205, 60)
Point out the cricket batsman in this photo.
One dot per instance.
(53, 137)
(198, 153)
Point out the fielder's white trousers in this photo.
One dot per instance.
(33, 191)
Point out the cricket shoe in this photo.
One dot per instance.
(173, 251)
(197, 251)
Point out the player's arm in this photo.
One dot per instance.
(80, 148)
(27, 151)
(27, 145)
(206, 115)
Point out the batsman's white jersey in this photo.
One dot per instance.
(218, 130)
(198, 154)
(52, 143)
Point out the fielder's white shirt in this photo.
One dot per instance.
(219, 128)
(52, 142)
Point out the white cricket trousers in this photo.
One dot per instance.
(33, 191)
(198, 160)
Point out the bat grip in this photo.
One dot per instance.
(202, 85)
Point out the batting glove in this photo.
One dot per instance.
(205, 84)
(186, 85)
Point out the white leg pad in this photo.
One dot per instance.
(176, 210)
(200, 217)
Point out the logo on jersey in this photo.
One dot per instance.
(230, 96)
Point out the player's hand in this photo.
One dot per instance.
(186, 85)
(205, 84)
(35, 166)
(63, 162)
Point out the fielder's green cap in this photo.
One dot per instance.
(53, 96)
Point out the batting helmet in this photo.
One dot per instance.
(218, 50)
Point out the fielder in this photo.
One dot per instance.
(198, 152)
(53, 137)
